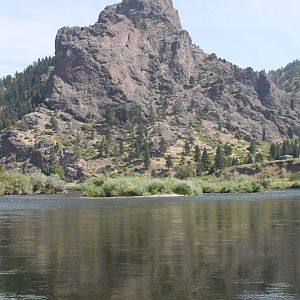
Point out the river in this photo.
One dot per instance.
(208, 247)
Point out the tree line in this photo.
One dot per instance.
(21, 94)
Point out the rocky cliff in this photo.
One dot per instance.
(137, 58)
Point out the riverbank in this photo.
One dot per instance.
(12, 183)
(144, 186)
(38, 183)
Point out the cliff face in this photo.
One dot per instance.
(137, 55)
(137, 51)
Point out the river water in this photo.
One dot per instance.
(210, 247)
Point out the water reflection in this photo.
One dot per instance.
(151, 250)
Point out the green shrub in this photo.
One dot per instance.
(38, 182)
(15, 184)
(295, 185)
(54, 184)
(295, 177)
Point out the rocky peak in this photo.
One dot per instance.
(146, 12)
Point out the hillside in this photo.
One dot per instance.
(131, 90)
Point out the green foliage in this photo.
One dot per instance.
(147, 157)
(295, 177)
(46, 185)
(206, 160)
(187, 148)
(288, 78)
(184, 171)
(219, 159)
(55, 170)
(162, 146)
(169, 162)
(54, 123)
(287, 147)
(197, 155)
(143, 186)
(140, 186)
(19, 95)
(228, 149)
(252, 148)
(192, 81)
(259, 158)
(15, 184)
(54, 184)
(20, 184)
(231, 185)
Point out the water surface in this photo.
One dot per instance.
(211, 247)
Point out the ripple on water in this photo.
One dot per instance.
(273, 292)
(24, 297)
(11, 272)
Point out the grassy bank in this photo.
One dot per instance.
(20, 184)
(143, 186)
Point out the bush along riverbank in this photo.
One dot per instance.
(37, 183)
(142, 186)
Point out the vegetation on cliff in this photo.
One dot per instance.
(21, 94)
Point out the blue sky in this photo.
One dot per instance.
(263, 34)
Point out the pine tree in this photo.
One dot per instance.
(219, 159)
(273, 151)
(227, 149)
(162, 146)
(205, 160)
(121, 148)
(199, 169)
(249, 159)
(187, 148)
(169, 162)
(197, 155)
(252, 147)
(192, 81)
(259, 158)
(147, 158)
(109, 116)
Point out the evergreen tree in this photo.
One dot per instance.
(101, 149)
(187, 148)
(264, 138)
(205, 160)
(235, 162)
(197, 155)
(169, 162)
(273, 151)
(252, 148)
(109, 116)
(296, 149)
(147, 158)
(162, 146)
(219, 159)
(228, 149)
(249, 159)
(192, 81)
(121, 148)
(21, 94)
(199, 169)
(259, 158)
(137, 149)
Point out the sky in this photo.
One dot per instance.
(263, 34)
